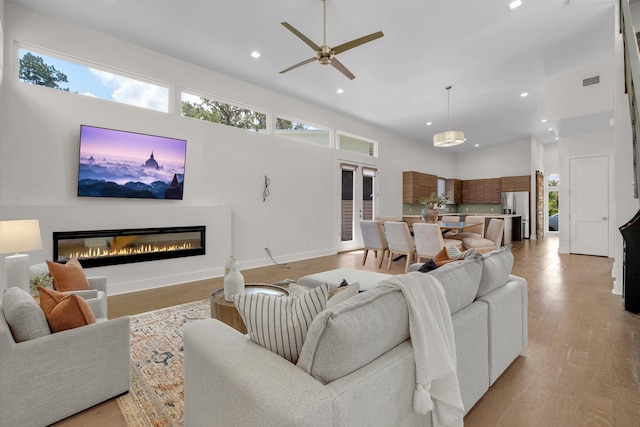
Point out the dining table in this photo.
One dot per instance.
(446, 226)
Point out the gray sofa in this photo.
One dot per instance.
(357, 364)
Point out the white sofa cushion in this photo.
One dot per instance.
(24, 316)
(496, 268)
(460, 281)
(280, 323)
(372, 322)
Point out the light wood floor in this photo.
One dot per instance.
(581, 368)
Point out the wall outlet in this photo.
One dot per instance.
(491, 209)
(466, 209)
(17, 197)
(410, 210)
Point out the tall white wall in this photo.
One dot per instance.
(551, 161)
(512, 159)
(225, 166)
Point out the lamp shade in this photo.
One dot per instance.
(20, 236)
(448, 138)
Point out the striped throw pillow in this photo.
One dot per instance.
(281, 323)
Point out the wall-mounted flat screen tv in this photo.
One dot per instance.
(116, 163)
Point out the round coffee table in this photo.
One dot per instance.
(226, 311)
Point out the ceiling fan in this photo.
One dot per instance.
(325, 54)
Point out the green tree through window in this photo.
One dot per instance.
(225, 114)
(34, 70)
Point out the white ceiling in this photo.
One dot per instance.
(488, 54)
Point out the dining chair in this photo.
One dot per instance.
(429, 241)
(400, 241)
(477, 231)
(492, 239)
(373, 238)
(450, 218)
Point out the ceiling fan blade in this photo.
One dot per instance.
(299, 64)
(357, 42)
(301, 36)
(338, 66)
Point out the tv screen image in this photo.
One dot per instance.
(116, 163)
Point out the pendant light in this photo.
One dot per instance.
(450, 137)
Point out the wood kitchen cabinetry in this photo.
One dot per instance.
(515, 183)
(416, 185)
(453, 190)
(478, 191)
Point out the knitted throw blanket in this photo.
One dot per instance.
(434, 348)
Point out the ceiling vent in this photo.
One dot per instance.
(591, 81)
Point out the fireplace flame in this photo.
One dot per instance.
(88, 253)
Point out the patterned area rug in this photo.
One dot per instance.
(156, 397)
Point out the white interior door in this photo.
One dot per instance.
(589, 205)
(356, 202)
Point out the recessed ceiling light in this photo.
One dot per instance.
(477, 145)
(429, 123)
(514, 4)
(255, 54)
(523, 94)
(543, 121)
(550, 129)
(557, 138)
(340, 91)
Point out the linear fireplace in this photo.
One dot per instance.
(96, 248)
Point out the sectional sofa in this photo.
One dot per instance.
(357, 364)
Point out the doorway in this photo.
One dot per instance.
(589, 205)
(357, 199)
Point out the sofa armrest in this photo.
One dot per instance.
(99, 283)
(230, 380)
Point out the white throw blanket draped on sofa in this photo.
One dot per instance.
(432, 337)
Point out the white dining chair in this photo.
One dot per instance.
(492, 239)
(373, 238)
(400, 242)
(450, 218)
(477, 231)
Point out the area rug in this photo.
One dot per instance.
(156, 397)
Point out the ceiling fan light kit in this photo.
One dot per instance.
(325, 54)
(450, 137)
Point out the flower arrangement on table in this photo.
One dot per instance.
(434, 201)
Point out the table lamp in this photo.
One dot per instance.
(19, 236)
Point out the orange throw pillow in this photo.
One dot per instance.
(65, 311)
(442, 258)
(69, 276)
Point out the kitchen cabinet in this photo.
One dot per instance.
(477, 191)
(453, 190)
(515, 183)
(416, 185)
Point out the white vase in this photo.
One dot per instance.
(233, 283)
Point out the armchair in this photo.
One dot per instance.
(53, 376)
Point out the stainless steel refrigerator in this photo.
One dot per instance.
(517, 203)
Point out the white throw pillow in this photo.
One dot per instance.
(23, 315)
(337, 295)
(280, 324)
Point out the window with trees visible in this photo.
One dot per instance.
(204, 108)
(553, 190)
(56, 73)
(357, 144)
(293, 129)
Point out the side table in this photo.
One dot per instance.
(226, 311)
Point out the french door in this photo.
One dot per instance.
(357, 194)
